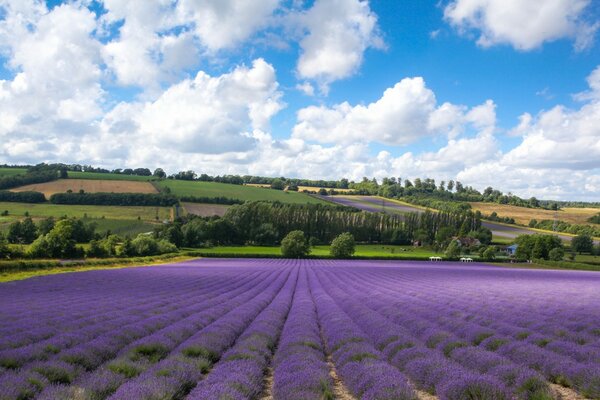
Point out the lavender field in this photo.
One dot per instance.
(310, 329)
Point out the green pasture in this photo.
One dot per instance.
(241, 192)
(108, 177)
(43, 210)
(11, 171)
(362, 250)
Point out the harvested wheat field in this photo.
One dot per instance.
(205, 210)
(523, 215)
(89, 186)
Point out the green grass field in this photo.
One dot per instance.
(108, 177)
(362, 250)
(248, 193)
(18, 210)
(11, 171)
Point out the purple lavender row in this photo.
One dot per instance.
(558, 368)
(177, 374)
(44, 349)
(90, 356)
(239, 375)
(426, 363)
(361, 366)
(578, 327)
(145, 352)
(51, 319)
(584, 376)
(300, 369)
(587, 352)
(49, 349)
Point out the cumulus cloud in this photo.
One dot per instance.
(525, 25)
(405, 113)
(56, 87)
(338, 33)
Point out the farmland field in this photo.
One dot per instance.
(80, 211)
(89, 186)
(523, 215)
(241, 192)
(11, 171)
(293, 329)
(108, 176)
(205, 210)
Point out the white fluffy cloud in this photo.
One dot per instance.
(221, 24)
(57, 87)
(339, 32)
(405, 113)
(523, 24)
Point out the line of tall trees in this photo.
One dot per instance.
(268, 223)
(115, 199)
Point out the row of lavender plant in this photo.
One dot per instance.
(179, 371)
(563, 366)
(46, 348)
(361, 366)
(239, 375)
(426, 362)
(72, 307)
(300, 368)
(66, 368)
(556, 368)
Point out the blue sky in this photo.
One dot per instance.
(475, 90)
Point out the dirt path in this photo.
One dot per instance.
(421, 395)
(267, 393)
(563, 393)
(339, 389)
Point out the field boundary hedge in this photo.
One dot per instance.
(211, 200)
(115, 199)
(22, 197)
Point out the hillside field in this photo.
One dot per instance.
(58, 210)
(88, 186)
(11, 171)
(108, 176)
(205, 210)
(241, 192)
(523, 215)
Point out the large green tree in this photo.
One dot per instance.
(582, 244)
(343, 246)
(295, 245)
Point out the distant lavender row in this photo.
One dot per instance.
(215, 329)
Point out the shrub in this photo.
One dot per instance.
(489, 253)
(556, 254)
(295, 245)
(453, 249)
(343, 246)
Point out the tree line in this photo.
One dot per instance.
(115, 199)
(267, 223)
(37, 174)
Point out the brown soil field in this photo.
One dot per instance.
(89, 186)
(523, 215)
(205, 210)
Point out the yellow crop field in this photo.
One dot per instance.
(523, 215)
(89, 186)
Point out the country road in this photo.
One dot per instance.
(378, 204)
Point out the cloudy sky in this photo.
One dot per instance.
(490, 92)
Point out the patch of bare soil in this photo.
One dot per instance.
(267, 393)
(339, 389)
(205, 210)
(421, 395)
(563, 393)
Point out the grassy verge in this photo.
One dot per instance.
(23, 269)
(241, 192)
